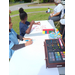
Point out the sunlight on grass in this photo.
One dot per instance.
(30, 10)
(33, 16)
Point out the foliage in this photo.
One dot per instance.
(19, 0)
(12, 0)
(26, 0)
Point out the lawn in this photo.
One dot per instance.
(33, 16)
(30, 10)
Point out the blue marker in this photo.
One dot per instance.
(26, 40)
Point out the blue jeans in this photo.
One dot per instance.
(55, 18)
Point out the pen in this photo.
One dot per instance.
(60, 43)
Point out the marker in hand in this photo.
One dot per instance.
(26, 40)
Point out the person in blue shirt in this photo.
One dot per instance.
(23, 25)
(13, 40)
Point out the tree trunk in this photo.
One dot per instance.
(44, 1)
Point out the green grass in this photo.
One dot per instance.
(30, 10)
(33, 16)
(15, 21)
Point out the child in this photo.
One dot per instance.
(13, 40)
(48, 10)
(23, 25)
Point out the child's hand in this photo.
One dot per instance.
(38, 23)
(28, 43)
(32, 22)
(27, 39)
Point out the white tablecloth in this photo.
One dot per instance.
(30, 60)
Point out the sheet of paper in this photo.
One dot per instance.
(43, 25)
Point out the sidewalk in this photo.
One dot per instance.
(27, 13)
(25, 6)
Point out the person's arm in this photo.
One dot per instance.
(51, 13)
(31, 23)
(15, 47)
(58, 10)
(55, 14)
(20, 37)
(18, 46)
(38, 23)
(29, 29)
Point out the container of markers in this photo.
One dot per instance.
(55, 34)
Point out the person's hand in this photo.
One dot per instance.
(38, 23)
(27, 39)
(51, 15)
(32, 22)
(28, 43)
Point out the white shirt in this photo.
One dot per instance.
(58, 8)
(48, 10)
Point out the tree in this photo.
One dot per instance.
(44, 1)
(27, 0)
(12, 0)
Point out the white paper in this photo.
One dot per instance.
(43, 25)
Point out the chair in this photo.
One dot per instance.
(60, 19)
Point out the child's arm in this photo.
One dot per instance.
(38, 23)
(18, 46)
(22, 38)
(31, 23)
(29, 29)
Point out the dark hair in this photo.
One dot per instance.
(22, 14)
